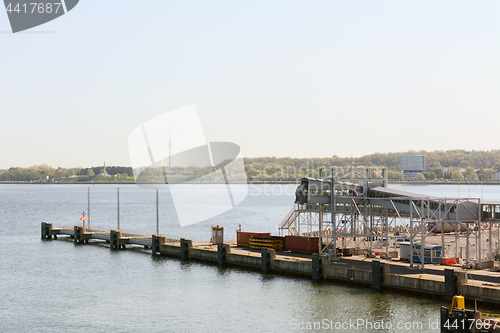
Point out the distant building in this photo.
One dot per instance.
(412, 165)
(495, 175)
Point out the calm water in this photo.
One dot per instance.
(57, 286)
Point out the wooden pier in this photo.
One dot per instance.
(438, 281)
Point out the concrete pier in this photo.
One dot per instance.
(381, 274)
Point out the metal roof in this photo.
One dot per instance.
(398, 193)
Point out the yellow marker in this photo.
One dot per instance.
(458, 302)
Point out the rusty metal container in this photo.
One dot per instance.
(302, 244)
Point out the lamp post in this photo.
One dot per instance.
(88, 204)
(157, 215)
(118, 205)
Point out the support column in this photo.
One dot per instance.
(78, 234)
(186, 245)
(317, 266)
(267, 260)
(443, 248)
(490, 243)
(479, 245)
(411, 233)
(222, 254)
(114, 239)
(386, 221)
(156, 244)
(333, 206)
(450, 284)
(320, 233)
(46, 230)
(377, 275)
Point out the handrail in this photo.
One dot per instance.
(288, 217)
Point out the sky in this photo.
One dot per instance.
(278, 78)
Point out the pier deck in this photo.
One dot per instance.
(392, 274)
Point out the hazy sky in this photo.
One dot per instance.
(278, 78)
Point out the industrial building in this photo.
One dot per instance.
(412, 165)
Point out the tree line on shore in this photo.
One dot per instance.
(43, 173)
(454, 165)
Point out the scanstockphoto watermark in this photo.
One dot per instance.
(171, 151)
(361, 324)
(269, 172)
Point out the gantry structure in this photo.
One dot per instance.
(367, 215)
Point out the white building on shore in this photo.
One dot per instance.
(412, 165)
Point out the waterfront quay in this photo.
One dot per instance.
(381, 274)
